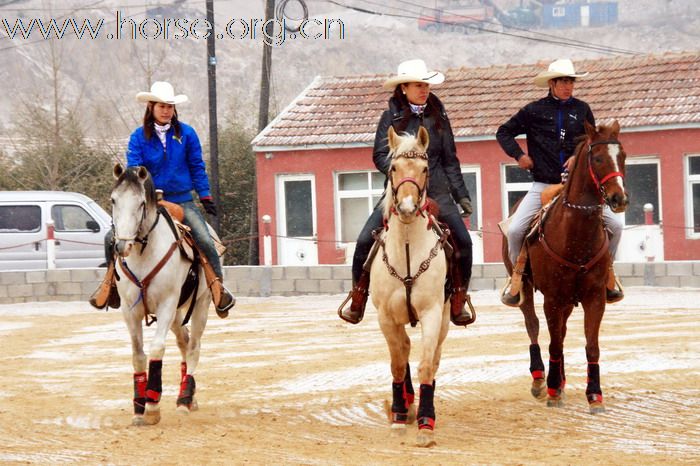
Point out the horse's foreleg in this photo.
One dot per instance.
(532, 325)
(154, 387)
(433, 333)
(138, 361)
(399, 349)
(186, 400)
(555, 378)
(593, 316)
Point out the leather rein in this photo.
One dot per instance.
(599, 183)
(409, 280)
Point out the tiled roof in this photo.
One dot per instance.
(639, 91)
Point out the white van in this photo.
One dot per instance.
(80, 225)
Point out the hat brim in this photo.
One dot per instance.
(542, 79)
(149, 97)
(434, 77)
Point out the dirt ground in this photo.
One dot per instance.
(284, 381)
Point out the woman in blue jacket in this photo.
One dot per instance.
(171, 152)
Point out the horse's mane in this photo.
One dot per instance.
(130, 177)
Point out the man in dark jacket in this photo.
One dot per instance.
(551, 125)
(412, 106)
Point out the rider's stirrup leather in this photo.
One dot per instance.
(106, 293)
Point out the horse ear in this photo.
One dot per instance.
(142, 173)
(393, 138)
(590, 130)
(118, 170)
(423, 137)
(615, 127)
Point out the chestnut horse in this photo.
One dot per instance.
(569, 261)
(408, 285)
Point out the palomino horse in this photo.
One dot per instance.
(408, 284)
(152, 273)
(570, 261)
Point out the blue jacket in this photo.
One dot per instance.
(178, 169)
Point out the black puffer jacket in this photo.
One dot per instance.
(445, 176)
(551, 126)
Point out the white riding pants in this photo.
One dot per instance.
(532, 203)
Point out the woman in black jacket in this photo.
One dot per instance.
(411, 106)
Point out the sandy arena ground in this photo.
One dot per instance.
(284, 381)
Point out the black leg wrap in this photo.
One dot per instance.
(139, 393)
(399, 407)
(155, 381)
(426, 408)
(593, 386)
(536, 363)
(187, 389)
(554, 378)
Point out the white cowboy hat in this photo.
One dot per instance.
(162, 91)
(413, 71)
(557, 69)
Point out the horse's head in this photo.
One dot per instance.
(606, 162)
(408, 175)
(133, 200)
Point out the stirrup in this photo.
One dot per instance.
(467, 314)
(510, 299)
(354, 313)
(616, 293)
(226, 302)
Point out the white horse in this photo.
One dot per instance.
(408, 284)
(151, 271)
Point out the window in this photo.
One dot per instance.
(642, 185)
(70, 218)
(517, 182)
(20, 218)
(358, 193)
(471, 180)
(693, 195)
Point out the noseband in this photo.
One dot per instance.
(421, 190)
(134, 237)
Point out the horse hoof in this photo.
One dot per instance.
(555, 402)
(194, 406)
(426, 438)
(152, 414)
(597, 407)
(539, 389)
(183, 410)
(138, 420)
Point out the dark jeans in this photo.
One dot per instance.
(193, 219)
(454, 222)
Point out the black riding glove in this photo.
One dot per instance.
(466, 206)
(209, 206)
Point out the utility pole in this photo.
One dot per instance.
(213, 132)
(263, 115)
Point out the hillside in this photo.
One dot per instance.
(98, 78)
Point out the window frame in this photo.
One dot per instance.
(367, 193)
(689, 181)
(641, 160)
(509, 187)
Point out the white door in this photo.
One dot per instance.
(472, 180)
(585, 15)
(296, 207)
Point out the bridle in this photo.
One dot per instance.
(421, 190)
(134, 237)
(599, 183)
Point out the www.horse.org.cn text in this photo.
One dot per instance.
(124, 27)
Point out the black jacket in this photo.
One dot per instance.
(445, 175)
(551, 126)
